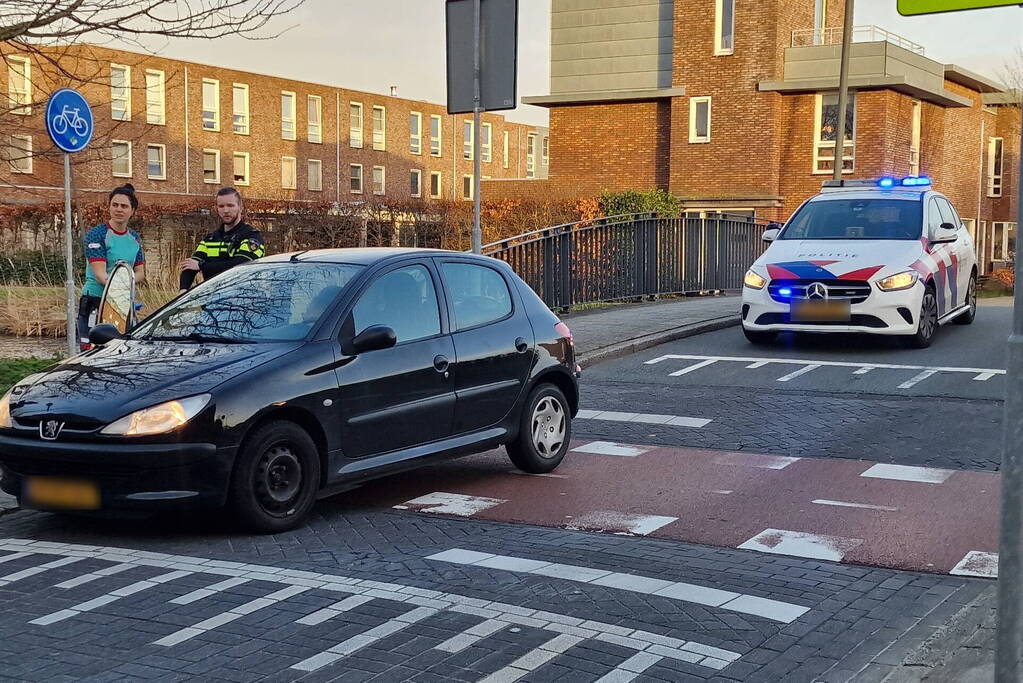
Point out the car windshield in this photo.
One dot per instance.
(258, 303)
(857, 219)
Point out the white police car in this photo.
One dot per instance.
(885, 257)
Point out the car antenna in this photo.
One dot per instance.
(294, 257)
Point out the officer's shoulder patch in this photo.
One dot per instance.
(95, 245)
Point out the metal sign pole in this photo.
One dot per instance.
(477, 233)
(843, 91)
(1010, 546)
(69, 261)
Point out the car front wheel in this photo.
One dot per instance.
(928, 323)
(545, 429)
(275, 478)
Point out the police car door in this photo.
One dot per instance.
(966, 258)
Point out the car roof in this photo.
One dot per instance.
(909, 195)
(363, 256)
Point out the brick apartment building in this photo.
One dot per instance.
(732, 107)
(178, 131)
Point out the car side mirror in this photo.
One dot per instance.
(946, 233)
(374, 338)
(771, 234)
(104, 333)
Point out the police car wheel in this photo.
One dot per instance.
(276, 477)
(928, 323)
(971, 299)
(759, 337)
(545, 429)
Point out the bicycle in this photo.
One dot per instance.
(69, 117)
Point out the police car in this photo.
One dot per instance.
(887, 257)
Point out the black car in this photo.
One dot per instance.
(294, 376)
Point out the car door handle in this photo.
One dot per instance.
(521, 345)
(440, 364)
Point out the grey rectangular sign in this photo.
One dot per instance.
(499, 29)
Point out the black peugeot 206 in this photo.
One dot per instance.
(293, 377)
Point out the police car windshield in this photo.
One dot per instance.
(257, 303)
(880, 218)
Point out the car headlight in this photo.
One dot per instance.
(158, 419)
(754, 281)
(899, 281)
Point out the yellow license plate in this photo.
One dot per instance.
(53, 492)
(820, 311)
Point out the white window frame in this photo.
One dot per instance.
(472, 187)
(383, 180)
(19, 98)
(309, 165)
(468, 142)
(416, 173)
(351, 177)
(694, 104)
(720, 49)
(24, 149)
(355, 133)
(156, 98)
(820, 20)
(819, 144)
(125, 97)
(914, 138)
(505, 149)
(545, 151)
(130, 160)
(440, 184)
(248, 168)
(163, 161)
(293, 119)
(486, 142)
(380, 134)
(437, 143)
(216, 166)
(994, 180)
(240, 127)
(216, 104)
(314, 130)
(531, 155)
(415, 139)
(294, 174)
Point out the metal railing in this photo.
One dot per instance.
(632, 256)
(861, 34)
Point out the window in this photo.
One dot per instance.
(379, 180)
(826, 126)
(435, 135)
(287, 115)
(156, 162)
(531, 155)
(379, 128)
(241, 168)
(211, 166)
(416, 183)
(856, 219)
(289, 173)
(486, 142)
(545, 155)
(314, 114)
(404, 300)
(467, 141)
(914, 141)
(415, 132)
(120, 151)
(467, 187)
(699, 119)
(1005, 241)
(724, 27)
(120, 92)
(355, 174)
(19, 85)
(479, 295)
(355, 125)
(210, 104)
(435, 184)
(315, 170)
(155, 98)
(820, 18)
(18, 154)
(994, 167)
(240, 104)
(505, 149)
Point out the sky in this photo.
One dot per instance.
(374, 45)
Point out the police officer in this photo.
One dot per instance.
(234, 242)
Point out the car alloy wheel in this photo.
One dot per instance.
(548, 427)
(278, 479)
(928, 316)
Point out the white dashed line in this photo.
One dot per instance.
(798, 373)
(801, 544)
(609, 448)
(202, 593)
(764, 462)
(923, 475)
(977, 563)
(843, 504)
(25, 573)
(691, 368)
(620, 522)
(644, 418)
(110, 597)
(457, 504)
(909, 384)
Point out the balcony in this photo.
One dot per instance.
(861, 34)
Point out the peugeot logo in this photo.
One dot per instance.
(50, 429)
(817, 291)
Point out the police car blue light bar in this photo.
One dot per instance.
(916, 181)
(885, 183)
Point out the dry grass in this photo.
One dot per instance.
(40, 311)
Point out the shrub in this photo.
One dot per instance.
(634, 201)
(1004, 277)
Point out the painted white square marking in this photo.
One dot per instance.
(765, 462)
(977, 563)
(620, 522)
(631, 582)
(609, 448)
(924, 475)
(512, 564)
(653, 418)
(460, 556)
(800, 544)
(587, 414)
(615, 416)
(699, 594)
(450, 504)
(770, 609)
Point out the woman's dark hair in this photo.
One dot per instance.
(128, 190)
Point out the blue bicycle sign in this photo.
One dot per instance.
(69, 120)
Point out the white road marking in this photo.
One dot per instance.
(924, 475)
(758, 364)
(450, 504)
(609, 448)
(691, 368)
(110, 597)
(355, 643)
(764, 462)
(977, 563)
(25, 573)
(631, 668)
(800, 544)
(674, 590)
(92, 576)
(984, 376)
(331, 611)
(909, 384)
(620, 522)
(14, 556)
(843, 504)
(231, 615)
(547, 475)
(533, 660)
(471, 636)
(864, 370)
(802, 371)
(189, 598)
(645, 418)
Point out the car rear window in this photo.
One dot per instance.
(479, 295)
(857, 219)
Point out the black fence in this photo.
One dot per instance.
(640, 255)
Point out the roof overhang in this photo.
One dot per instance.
(898, 83)
(974, 81)
(1005, 98)
(603, 97)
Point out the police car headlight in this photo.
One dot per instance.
(754, 281)
(158, 419)
(899, 281)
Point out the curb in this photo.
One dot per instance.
(648, 341)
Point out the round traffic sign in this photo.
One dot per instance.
(69, 120)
